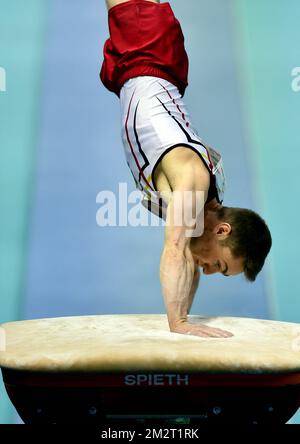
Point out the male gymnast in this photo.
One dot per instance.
(146, 65)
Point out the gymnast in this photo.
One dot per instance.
(145, 64)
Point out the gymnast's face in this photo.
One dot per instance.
(211, 255)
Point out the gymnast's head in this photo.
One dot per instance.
(234, 241)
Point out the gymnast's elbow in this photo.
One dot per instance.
(176, 253)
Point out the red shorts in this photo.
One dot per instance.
(145, 40)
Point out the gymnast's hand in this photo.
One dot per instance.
(203, 331)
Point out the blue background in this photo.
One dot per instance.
(60, 146)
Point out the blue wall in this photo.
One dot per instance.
(74, 266)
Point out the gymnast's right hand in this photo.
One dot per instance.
(203, 331)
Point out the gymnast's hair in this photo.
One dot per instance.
(250, 238)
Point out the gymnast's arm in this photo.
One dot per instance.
(195, 284)
(177, 268)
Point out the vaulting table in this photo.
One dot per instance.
(131, 368)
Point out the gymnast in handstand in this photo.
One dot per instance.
(146, 65)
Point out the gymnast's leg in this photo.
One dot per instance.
(111, 3)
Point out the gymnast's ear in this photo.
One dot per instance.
(222, 230)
